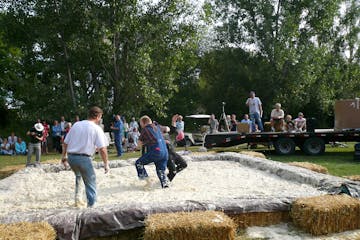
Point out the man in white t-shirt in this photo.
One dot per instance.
(80, 145)
(255, 111)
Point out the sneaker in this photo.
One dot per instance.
(171, 176)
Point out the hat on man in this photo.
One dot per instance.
(39, 127)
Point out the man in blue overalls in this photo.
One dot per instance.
(117, 129)
(156, 152)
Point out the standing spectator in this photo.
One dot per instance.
(62, 125)
(133, 124)
(44, 144)
(248, 121)
(180, 124)
(180, 130)
(20, 147)
(77, 118)
(67, 129)
(36, 137)
(56, 135)
(233, 123)
(134, 138)
(151, 137)
(300, 123)
(277, 118)
(255, 111)
(214, 124)
(80, 144)
(5, 148)
(117, 130)
(12, 139)
(126, 128)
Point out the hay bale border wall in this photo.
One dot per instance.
(110, 220)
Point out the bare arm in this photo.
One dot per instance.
(261, 110)
(104, 155)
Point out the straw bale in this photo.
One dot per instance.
(254, 154)
(326, 214)
(27, 231)
(310, 166)
(209, 225)
(353, 177)
(249, 219)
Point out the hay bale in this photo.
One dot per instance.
(353, 177)
(311, 166)
(254, 154)
(244, 220)
(209, 225)
(27, 231)
(326, 214)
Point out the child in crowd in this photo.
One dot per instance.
(20, 147)
(300, 123)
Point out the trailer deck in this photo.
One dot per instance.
(312, 143)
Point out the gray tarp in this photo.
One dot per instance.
(109, 220)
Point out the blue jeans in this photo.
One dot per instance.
(255, 119)
(82, 166)
(159, 157)
(34, 147)
(118, 145)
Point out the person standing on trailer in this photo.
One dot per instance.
(156, 152)
(255, 111)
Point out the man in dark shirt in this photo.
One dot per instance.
(156, 151)
(36, 137)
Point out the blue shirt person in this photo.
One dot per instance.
(117, 130)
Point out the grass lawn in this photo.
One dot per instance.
(339, 161)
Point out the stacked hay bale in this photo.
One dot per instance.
(250, 219)
(353, 177)
(253, 154)
(27, 231)
(209, 225)
(326, 214)
(311, 166)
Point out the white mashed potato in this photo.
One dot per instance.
(32, 188)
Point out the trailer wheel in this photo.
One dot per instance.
(284, 146)
(314, 146)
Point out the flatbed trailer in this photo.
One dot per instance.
(312, 143)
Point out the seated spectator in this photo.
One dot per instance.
(233, 123)
(5, 148)
(247, 120)
(277, 118)
(20, 147)
(289, 125)
(300, 123)
(12, 139)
